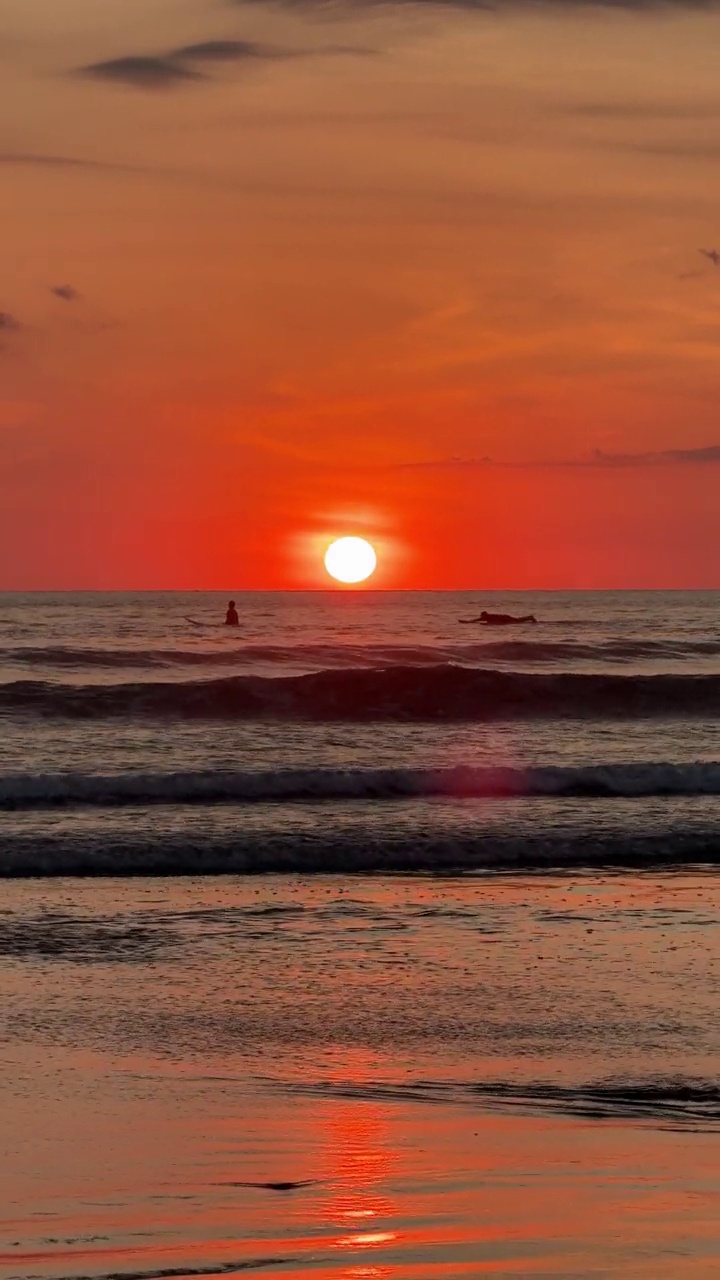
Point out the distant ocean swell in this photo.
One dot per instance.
(28, 791)
(145, 848)
(404, 693)
(349, 655)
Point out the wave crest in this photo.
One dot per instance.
(344, 656)
(405, 693)
(143, 849)
(29, 791)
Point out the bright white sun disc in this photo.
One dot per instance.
(350, 559)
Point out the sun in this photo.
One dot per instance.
(350, 559)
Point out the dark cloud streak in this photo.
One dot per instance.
(352, 7)
(709, 454)
(65, 292)
(39, 160)
(141, 72)
(227, 51)
(681, 150)
(180, 66)
(599, 460)
(643, 110)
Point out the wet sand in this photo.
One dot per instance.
(150, 1174)
(165, 1112)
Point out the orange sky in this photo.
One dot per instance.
(417, 272)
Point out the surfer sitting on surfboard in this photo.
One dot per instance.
(231, 617)
(500, 619)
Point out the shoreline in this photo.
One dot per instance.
(377, 1188)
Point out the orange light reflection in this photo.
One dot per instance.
(359, 1161)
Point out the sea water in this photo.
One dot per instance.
(338, 731)
(359, 941)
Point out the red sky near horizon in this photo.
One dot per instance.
(416, 272)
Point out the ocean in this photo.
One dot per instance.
(360, 941)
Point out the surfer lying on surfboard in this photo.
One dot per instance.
(500, 619)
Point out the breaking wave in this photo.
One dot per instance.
(28, 791)
(444, 692)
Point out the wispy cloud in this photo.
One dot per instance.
(65, 292)
(704, 456)
(32, 158)
(191, 62)
(644, 110)
(688, 149)
(8, 327)
(141, 72)
(228, 51)
(447, 464)
(658, 457)
(499, 6)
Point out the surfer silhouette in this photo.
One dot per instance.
(501, 619)
(231, 617)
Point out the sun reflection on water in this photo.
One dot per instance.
(359, 1160)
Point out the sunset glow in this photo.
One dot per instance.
(412, 259)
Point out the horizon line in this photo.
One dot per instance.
(349, 590)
